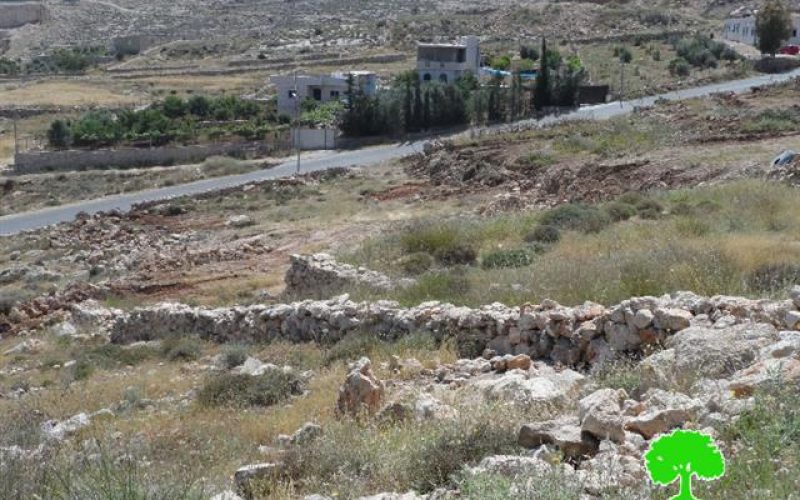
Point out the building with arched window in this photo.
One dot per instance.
(447, 62)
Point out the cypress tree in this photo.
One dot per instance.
(426, 115)
(541, 96)
(417, 105)
(408, 119)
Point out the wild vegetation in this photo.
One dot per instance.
(732, 239)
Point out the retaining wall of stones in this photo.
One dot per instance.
(319, 274)
(573, 336)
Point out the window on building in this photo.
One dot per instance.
(317, 94)
(443, 78)
(334, 94)
(426, 77)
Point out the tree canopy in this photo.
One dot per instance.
(773, 26)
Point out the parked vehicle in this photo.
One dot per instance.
(790, 50)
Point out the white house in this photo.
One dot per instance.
(741, 27)
(446, 62)
(322, 88)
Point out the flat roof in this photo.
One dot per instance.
(442, 45)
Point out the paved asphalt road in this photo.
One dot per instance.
(11, 224)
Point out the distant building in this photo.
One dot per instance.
(446, 62)
(741, 27)
(321, 88)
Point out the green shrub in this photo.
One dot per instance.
(631, 198)
(538, 160)
(350, 348)
(692, 226)
(172, 210)
(679, 67)
(180, 349)
(445, 286)
(774, 121)
(518, 257)
(174, 106)
(550, 486)
(649, 209)
(416, 263)
(543, 234)
(773, 277)
(619, 211)
(701, 51)
(82, 369)
(446, 243)
(237, 390)
(453, 447)
(683, 208)
(765, 437)
(577, 216)
(457, 254)
(428, 238)
(364, 458)
(234, 355)
(113, 355)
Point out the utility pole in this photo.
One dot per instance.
(297, 121)
(16, 140)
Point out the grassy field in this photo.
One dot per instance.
(648, 72)
(738, 238)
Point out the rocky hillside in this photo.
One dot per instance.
(279, 26)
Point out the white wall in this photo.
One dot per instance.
(743, 30)
(308, 139)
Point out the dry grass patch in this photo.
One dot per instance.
(65, 93)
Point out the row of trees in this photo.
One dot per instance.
(173, 119)
(411, 105)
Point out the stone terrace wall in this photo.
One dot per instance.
(14, 14)
(316, 275)
(43, 161)
(573, 336)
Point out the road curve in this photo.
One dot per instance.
(15, 223)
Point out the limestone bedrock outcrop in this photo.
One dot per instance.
(361, 392)
(588, 334)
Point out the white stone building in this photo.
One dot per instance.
(321, 88)
(741, 27)
(446, 62)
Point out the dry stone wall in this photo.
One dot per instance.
(573, 336)
(319, 274)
